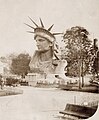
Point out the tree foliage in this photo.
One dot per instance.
(95, 58)
(20, 64)
(78, 47)
(95, 65)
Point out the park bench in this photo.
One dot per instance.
(79, 111)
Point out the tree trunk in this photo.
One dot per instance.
(80, 74)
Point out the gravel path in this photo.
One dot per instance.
(40, 103)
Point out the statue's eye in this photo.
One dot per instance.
(41, 40)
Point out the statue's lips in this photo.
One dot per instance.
(39, 47)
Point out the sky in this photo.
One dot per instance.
(64, 14)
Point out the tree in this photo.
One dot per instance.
(94, 66)
(20, 64)
(78, 47)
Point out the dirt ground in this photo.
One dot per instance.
(40, 103)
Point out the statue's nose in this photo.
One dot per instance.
(37, 43)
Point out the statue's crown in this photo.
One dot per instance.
(41, 31)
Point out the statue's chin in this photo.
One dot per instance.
(39, 50)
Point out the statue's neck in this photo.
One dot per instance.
(46, 56)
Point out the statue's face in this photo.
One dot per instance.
(43, 44)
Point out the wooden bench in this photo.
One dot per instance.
(79, 111)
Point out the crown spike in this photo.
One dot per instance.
(29, 26)
(41, 23)
(57, 33)
(50, 27)
(30, 32)
(33, 22)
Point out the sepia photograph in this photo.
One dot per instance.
(49, 59)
